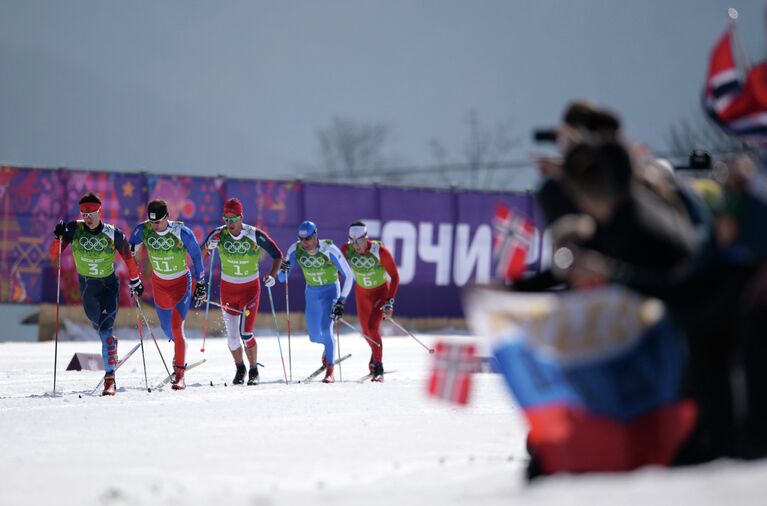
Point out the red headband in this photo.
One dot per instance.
(89, 207)
(233, 206)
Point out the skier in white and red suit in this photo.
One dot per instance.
(239, 247)
(377, 280)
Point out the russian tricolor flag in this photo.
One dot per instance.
(598, 374)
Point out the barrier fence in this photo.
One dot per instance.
(441, 239)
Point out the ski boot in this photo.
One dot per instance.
(239, 376)
(253, 376)
(329, 374)
(109, 384)
(378, 372)
(179, 383)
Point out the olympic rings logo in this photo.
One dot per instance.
(163, 243)
(93, 243)
(237, 247)
(311, 262)
(362, 262)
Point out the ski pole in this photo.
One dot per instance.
(287, 315)
(338, 342)
(141, 341)
(361, 333)
(56, 335)
(277, 329)
(207, 303)
(151, 332)
(431, 350)
(246, 312)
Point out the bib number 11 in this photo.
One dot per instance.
(161, 266)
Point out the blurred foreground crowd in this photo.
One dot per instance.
(699, 244)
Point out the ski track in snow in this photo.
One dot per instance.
(276, 444)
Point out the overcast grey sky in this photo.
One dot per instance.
(241, 87)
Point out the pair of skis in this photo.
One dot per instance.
(119, 363)
(319, 371)
(369, 376)
(170, 378)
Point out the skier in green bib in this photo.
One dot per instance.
(239, 247)
(321, 262)
(94, 245)
(167, 243)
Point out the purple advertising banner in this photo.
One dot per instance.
(440, 239)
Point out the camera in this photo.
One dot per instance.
(545, 135)
(699, 160)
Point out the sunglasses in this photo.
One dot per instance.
(359, 241)
(303, 239)
(94, 214)
(233, 219)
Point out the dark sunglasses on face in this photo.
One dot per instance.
(304, 239)
(233, 219)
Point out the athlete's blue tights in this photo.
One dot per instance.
(100, 297)
(319, 300)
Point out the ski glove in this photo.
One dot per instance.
(60, 229)
(269, 281)
(136, 287)
(337, 312)
(285, 266)
(388, 308)
(200, 294)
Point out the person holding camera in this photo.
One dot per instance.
(94, 244)
(321, 263)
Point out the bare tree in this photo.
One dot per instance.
(350, 148)
(482, 149)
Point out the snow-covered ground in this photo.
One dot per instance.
(297, 444)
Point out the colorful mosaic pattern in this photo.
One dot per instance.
(435, 234)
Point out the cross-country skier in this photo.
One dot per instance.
(94, 244)
(321, 262)
(377, 280)
(167, 244)
(239, 248)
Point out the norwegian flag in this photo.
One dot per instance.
(512, 237)
(451, 374)
(723, 81)
(738, 105)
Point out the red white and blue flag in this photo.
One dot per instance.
(513, 235)
(736, 102)
(598, 374)
(453, 366)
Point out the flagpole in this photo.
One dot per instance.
(741, 58)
